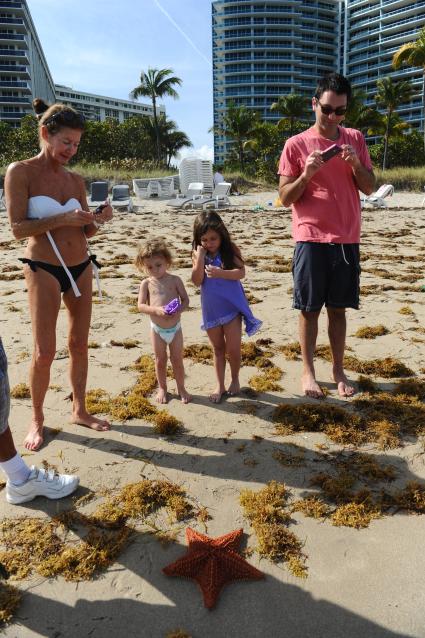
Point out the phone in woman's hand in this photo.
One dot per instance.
(100, 208)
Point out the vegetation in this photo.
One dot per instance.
(156, 83)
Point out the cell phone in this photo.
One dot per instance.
(331, 152)
(100, 208)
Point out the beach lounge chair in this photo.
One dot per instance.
(121, 197)
(98, 194)
(423, 201)
(193, 169)
(218, 198)
(194, 191)
(2, 201)
(378, 199)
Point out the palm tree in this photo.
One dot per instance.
(238, 123)
(171, 140)
(413, 54)
(359, 115)
(293, 107)
(175, 141)
(390, 95)
(156, 83)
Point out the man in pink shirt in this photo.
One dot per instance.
(326, 218)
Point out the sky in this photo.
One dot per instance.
(102, 47)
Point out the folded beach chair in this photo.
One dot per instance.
(193, 169)
(423, 201)
(98, 194)
(218, 198)
(378, 199)
(121, 197)
(2, 201)
(194, 191)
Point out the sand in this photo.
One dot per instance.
(366, 582)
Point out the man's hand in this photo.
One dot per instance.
(313, 163)
(350, 156)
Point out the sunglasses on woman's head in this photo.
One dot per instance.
(63, 117)
(327, 110)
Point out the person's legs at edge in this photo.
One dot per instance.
(79, 312)
(337, 328)
(160, 352)
(233, 336)
(216, 337)
(176, 357)
(308, 327)
(24, 483)
(44, 302)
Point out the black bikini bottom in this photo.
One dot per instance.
(59, 272)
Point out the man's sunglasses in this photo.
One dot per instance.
(66, 117)
(327, 110)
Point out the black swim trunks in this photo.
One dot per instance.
(326, 274)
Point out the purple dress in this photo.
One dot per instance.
(223, 299)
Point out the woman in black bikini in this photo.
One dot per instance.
(47, 204)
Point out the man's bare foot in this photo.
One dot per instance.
(90, 421)
(161, 396)
(234, 389)
(184, 395)
(34, 439)
(310, 387)
(345, 389)
(215, 397)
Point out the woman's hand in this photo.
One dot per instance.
(77, 218)
(106, 214)
(213, 272)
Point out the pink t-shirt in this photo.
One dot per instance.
(329, 208)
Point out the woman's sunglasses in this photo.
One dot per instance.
(66, 117)
(327, 110)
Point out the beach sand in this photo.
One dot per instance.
(366, 582)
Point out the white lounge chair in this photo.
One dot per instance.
(98, 194)
(121, 197)
(378, 199)
(194, 191)
(193, 169)
(2, 200)
(423, 201)
(218, 198)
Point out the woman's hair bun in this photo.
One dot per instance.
(39, 106)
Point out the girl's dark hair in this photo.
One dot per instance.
(211, 220)
(57, 116)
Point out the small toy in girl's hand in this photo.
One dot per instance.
(172, 307)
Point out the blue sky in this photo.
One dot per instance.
(102, 46)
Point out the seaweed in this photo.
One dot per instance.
(410, 387)
(267, 381)
(292, 351)
(199, 353)
(10, 599)
(371, 332)
(178, 633)
(20, 391)
(406, 310)
(364, 384)
(357, 515)
(269, 516)
(312, 507)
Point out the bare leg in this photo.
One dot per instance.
(160, 351)
(176, 356)
(7, 446)
(308, 326)
(233, 336)
(337, 328)
(79, 311)
(44, 303)
(216, 336)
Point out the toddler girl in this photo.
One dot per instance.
(163, 297)
(218, 268)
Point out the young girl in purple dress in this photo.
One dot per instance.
(218, 268)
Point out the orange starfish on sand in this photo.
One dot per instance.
(213, 562)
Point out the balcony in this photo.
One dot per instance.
(18, 22)
(16, 69)
(16, 6)
(10, 38)
(19, 54)
(15, 84)
(5, 115)
(11, 99)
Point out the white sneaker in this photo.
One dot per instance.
(41, 483)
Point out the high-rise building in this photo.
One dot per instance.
(264, 49)
(374, 30)
(99, 107)
(25, 75)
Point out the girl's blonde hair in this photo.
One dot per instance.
(152, 248)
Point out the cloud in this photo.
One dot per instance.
(203, 152)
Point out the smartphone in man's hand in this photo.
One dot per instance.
(331, 152)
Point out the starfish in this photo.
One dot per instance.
(213, 562)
